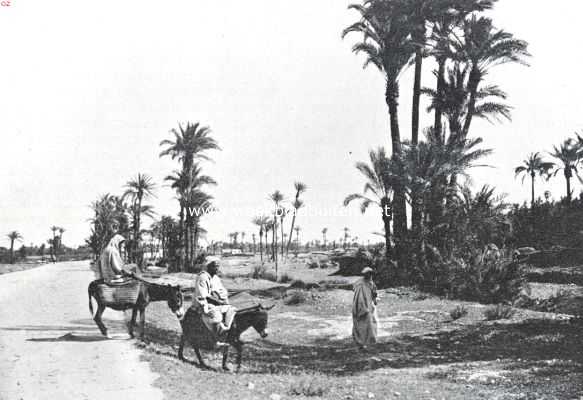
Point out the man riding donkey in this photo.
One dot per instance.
(212, 300)
(111, 264)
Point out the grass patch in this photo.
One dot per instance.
(498, 312)
(458, 312)
(308, 387)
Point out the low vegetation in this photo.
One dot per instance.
(498, 312)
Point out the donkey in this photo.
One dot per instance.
(195, 333)
(135, 295)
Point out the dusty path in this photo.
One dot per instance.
(50, 347)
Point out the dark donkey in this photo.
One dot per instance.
(195, 332)
(134, 295)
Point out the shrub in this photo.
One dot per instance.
(258, 271)
(313, 264)
(298, 297)
(298, 284)
(269, 276)
(285, 278)
(458, 312)
(308, 387)
(499, 311)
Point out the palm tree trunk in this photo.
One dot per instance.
(532, 191)
(437, 124)
(399, 202)
(181, 235)
(282, 239)
(416, 98)
(291, 231)
(568, 179)
(12, 251)
(473, 82)
(261, 245)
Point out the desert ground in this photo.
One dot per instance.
(49, 341)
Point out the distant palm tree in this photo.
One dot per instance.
(261, 222)
(568, 156)
(297, 229)
(277, 198)
(55, 244)
(14, 236)
(297, 204)
(139, 188)
(533, 166)
(324, 231)
(346, 236)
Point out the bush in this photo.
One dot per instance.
(308, 387)
(298, 284)
(258, 271)
(489, 282)
(499, 311)
(285, 278)
(298, 297)
(458, 312)
(313, 264)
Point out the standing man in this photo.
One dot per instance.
(364, 310)
(212, 298)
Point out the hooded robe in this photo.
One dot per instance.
(111, 262)
(364, 313)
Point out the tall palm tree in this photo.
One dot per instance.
(346, 236)
(380, 184)
(324, 231)
(387, 44)
(277, 198)
(190, 142)
(14, 236)
(297, 204)
(567, 155)
(482, 47)
(138, 189)
(534, 165)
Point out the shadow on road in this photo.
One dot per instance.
(70, 337)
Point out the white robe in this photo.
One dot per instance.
(364, 313)
(110, 262)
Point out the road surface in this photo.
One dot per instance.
(50, 348)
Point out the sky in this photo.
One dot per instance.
(89, 89)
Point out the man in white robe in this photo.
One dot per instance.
(364, 310)
(212, 297)
(111, 265)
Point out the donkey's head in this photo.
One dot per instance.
(176, 301)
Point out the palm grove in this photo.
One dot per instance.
(176, 238)
(448, 222)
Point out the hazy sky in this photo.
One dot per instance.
(89, 89)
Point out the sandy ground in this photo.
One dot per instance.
(50, 348)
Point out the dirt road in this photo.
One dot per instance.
(50, 347)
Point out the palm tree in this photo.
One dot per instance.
(532, 166)
(55, 244)
(568, 156)
(324, 231)
(261, 222)
(137, 189)
(277, 198)
(387, 44)
(298, 229)
(346, 236)
(380, 184)
(14, 236)
(482, 47)
(297, 204)
(190, 143)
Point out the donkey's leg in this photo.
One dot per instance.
(200, 360)
(181, 348)
(226, 358)
(98, 321)
(239, 347)
(133, 321)
(142, 322)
